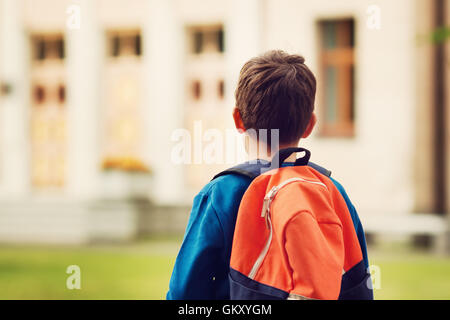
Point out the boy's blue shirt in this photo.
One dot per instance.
(202, 265)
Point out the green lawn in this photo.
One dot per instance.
(40, 273)
(142, 271)
(412, 276)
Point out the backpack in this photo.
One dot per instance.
(294, 237)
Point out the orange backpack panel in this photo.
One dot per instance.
(294, 237)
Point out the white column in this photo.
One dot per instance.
(84, 61)
(163, 54)
(244, 38)
(14, 122)
(243, 41)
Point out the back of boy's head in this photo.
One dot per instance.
(276, 91)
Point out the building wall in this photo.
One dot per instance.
(380, 166)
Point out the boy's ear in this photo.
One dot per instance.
(310, 127)
(238, 120)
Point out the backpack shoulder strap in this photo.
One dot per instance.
(253, 170)
(322, 170)
(247, 169)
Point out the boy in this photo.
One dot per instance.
(275, 91)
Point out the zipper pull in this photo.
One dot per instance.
(267, 199)
(265, 210)
(265, 207)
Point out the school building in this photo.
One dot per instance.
(92, 91)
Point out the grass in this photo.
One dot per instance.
(106, 273)
(142, 271)
(412, 276)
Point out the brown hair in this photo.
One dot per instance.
(276, 91)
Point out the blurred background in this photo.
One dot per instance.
(92, 91)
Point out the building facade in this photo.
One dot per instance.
(89, 88)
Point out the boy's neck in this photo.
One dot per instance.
(261, 152)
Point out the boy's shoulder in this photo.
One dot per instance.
(224, 194)
(226, 184)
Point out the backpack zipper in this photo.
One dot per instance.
(265, 213)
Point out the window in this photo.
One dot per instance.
(122, 126)
(207, 39)
(204, 73)
(125, 43)
(337, 71)
(39, 95)
(48, 47)
(56, 94)
(221, 89)
(197, 42)
(196, 90)
(61, 94)
(47, 112)
(205, 65)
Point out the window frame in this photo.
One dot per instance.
(48, 47)
(342, 57)
(115, 41)
(201, 37)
